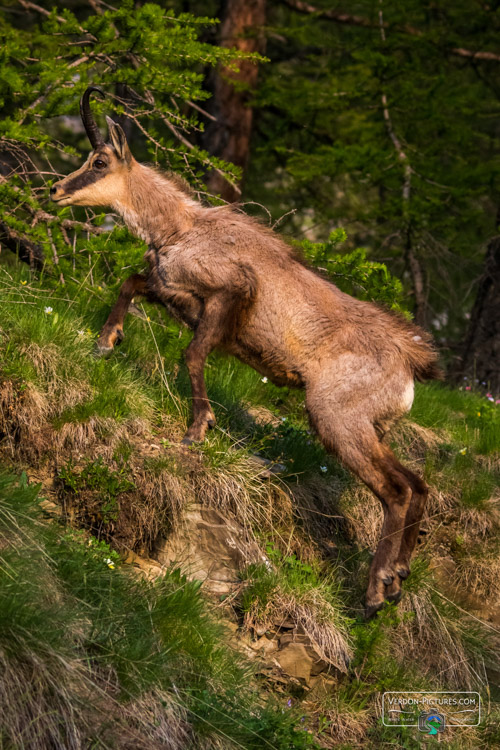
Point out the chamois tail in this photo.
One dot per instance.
(422, 356)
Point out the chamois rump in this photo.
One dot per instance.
(241, 289)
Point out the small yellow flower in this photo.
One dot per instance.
(463, 451)
(479, 414)
(148, 319)
(99, 288)
(24, 283)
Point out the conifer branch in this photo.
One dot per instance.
(352, 20)
(416, 270)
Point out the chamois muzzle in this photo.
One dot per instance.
(93, 132)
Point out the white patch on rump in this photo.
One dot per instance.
(408, 395)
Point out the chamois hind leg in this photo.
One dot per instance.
(413, 519)
(386, 477)
(359, 448)
(112, 331)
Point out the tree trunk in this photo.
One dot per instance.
(481, 350)
(229, 137)
(26, 250)
(418, 283)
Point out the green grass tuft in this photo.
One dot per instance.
(65, 601)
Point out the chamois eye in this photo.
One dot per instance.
(99, 164)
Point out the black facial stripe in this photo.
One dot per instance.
(83, 180)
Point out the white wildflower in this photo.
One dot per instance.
(48, 310)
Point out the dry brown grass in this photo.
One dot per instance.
(436, 641)
(481, 523)
(479, 573)
(418, 441)
(27, 416)
(312, 615)
(316, 506)
(363, 514)
(342, 723)
(23, 420)
(40, 710)
(237, 487)
(53, 703)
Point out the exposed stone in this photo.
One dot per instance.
(317, 663)
(322, 685)
(53, 510)
(292, 637)
(264, 645)
(287, 623)
(269, 468)
(295, 661)
(210, 547)
(259, 629)
(148, 568)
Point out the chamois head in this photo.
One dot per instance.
(103, 179)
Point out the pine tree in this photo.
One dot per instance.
(151, 64)
(383, 119)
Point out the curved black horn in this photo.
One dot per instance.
(93, 132)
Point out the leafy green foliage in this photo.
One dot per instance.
(330, 102)
(152, 65)
(352, 272)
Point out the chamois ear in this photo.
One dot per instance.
(118, 140)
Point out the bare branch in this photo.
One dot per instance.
(149, 99)
(33, 6)
(82, 226)
(24, 248)
(351, 20)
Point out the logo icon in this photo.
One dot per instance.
(431, 723)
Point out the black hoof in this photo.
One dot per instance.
(211, 423)
(403, 573)
(187, 441)
(119, 336)
(372, 609)
(387, 580)
(394, 597)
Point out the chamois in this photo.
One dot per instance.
(242, 289)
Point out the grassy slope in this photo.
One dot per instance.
(90, 423)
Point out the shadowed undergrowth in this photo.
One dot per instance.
(93, 657)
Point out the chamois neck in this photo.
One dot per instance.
(154, 208)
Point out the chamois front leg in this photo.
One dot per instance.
(112, 331)
(219, 309)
